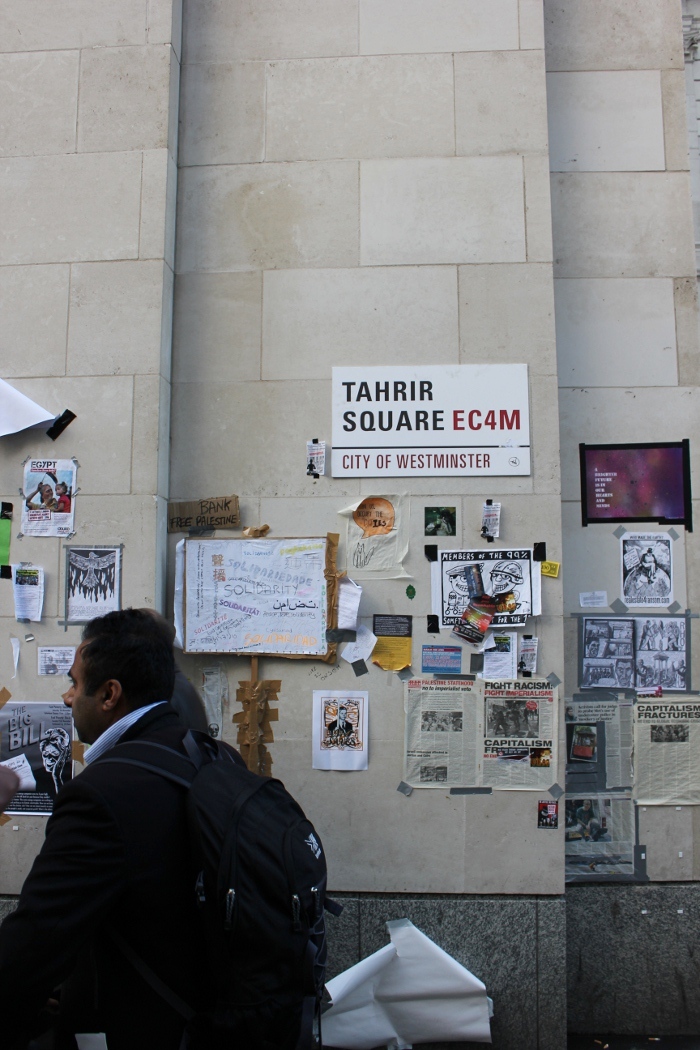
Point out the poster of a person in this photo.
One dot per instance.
(49, 490)
(647, 568)
(340, 729)
(35, 742)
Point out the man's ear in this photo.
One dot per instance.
(111, 693)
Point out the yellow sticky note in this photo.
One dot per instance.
(392, 653)
(551, 568)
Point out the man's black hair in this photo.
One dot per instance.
(130, 647)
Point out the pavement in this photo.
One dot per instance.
(633, 1042)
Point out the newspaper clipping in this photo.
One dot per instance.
(35, 741)
(667, 752)
(599, 837)
(520, 734)
(647, 573)
(49, 497)
(93, 583)
(599, 736)
(480, 734)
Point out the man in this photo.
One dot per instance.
(115, 859)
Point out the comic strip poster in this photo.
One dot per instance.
(661, 657)
(340, 725)
(599, 838)
(608, 653)
(35, 741)
(93, 582)
(505, 575)
(647, 568)
(49, 488)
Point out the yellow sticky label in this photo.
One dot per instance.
(551, 568)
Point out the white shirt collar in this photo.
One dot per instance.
(116, 731)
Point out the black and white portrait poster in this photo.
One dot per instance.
(35, 741)
(93, 582)
(647, 568)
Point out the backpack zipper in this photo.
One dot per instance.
(316, 897)
(230, 900)
(296, 911)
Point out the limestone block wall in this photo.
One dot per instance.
(625, 292)
(88, 138)
(367, 181)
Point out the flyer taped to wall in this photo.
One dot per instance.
(605, 759)
(504, 575)
(340, 728)
(35, 741)
(520, 734)
(49, 488)
(93, 582)
(647, 568)
(28, 591)
(599, 836)
(667, 752)
(55, 659)
(377, 537)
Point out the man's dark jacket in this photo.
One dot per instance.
(115, 855)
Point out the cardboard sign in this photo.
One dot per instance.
(217, 512)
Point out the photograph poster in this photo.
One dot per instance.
(49, 488)
(340, 728)
(599, 838)
(93, 582)
(35, 741)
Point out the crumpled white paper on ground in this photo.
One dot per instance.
(410, 991)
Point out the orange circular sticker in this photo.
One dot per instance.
(375, 516)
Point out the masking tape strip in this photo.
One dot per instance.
(5, 695)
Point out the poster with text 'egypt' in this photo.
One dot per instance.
(256, 596)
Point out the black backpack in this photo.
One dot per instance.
(260, 885)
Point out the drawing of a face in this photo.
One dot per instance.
(55, 749)
(505, 576)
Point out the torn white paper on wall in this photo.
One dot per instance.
(377, 537)
(410, 991)
(15, 654)
(18, 412)
(361, 648)
(349, 595)
(593, 599)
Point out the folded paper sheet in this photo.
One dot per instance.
(19, 412)
(410, 991)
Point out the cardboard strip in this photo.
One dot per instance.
(78, 751)
(254, 729)
(4, 819)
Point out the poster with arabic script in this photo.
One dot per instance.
(256, 596)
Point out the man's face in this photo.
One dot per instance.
(342, 713)
(89, 718)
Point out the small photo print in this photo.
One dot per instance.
(441, 722)
(547, 813)
(433, 774)
(671, 734)
(440, 521)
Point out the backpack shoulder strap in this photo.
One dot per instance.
(158, 758)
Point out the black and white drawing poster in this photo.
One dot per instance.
(608, 653)
(505, 575)
(93, 582)
(647, 568)
(35, 741)
(661, 659)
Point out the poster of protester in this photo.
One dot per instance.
(49, 488)
(607, 653)
(647, 568)
(93, 582)
(35, 741)
(504, 575)
(340, 724)
(599, 838)
(661, 660)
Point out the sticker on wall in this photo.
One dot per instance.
(441, 659)
(647, 568)
(377, 537)
(393, 649)
(491, 520)
(340, 727)
(527, 664)
(49, 497)
(547, 813)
